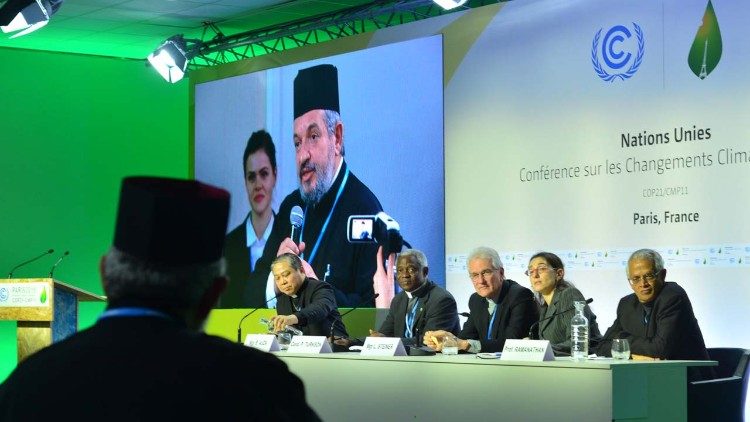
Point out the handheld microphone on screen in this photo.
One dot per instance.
(464, 314)
(10, 273)
(367, 300)
(536, 324)
(239, 326)
(296, 218)
(52, 270)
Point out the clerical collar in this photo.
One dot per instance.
(300, 290)
(416, 292)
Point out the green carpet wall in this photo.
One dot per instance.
(71, 126)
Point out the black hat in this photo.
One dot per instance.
(316, 88)
(170, 221)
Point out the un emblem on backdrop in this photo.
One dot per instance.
(621, 54)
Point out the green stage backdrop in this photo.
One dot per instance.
(71, 127)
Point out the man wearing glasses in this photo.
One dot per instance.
(657, 319)
(500, 309)
(421, 306)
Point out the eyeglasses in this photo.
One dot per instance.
(640, 279)
(483, 274)
(411, 270)
(537, 270)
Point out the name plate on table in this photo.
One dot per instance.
(527, 350)
(309, 345)
(383, 346)
(264, 342)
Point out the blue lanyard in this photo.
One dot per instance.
(492, 321)
(132, 312)
(328, 219)
(410, 319)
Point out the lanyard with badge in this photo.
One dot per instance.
(492, 322)
(410, 319)
(328, 219)
(132, 312)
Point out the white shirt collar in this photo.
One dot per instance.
(250, 231)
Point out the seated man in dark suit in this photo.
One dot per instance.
(145, 358)
(657, 318)
(306, 303)
(421, 306)
(500, 309)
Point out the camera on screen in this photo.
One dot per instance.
(379, 228)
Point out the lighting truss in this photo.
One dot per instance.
(216, 48)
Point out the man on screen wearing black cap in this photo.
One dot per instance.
(328, 194)
(145, 358)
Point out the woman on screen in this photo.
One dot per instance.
(246, 242)
(546, 273)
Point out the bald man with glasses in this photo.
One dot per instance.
(500, 309)
(657, 319)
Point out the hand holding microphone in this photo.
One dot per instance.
(294, 244)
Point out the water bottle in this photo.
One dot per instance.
(579, 333)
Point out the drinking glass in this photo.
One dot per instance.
(620, 349)
(284, 338)
(450, 345)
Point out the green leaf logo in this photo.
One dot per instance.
(43, 297)
(706, 50)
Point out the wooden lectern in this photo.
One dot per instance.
(46, 310)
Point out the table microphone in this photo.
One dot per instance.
(52, 270)
(10, 274)
(369, 298)
(296, 218)
(239, 326)
(536, 324)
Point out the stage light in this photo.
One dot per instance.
(171, 58)
(449, 4)
(26, 16)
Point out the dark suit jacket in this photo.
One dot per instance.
(436, 311)
(517, 311)
(557, 329)
(237, 256)
(352, 264)
(318, 311)
(672, 331)
(151, 369)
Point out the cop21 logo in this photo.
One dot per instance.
(618, 61)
